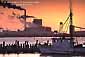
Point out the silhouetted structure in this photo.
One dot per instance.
(37, 21)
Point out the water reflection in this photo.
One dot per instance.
(35, 55)
(56, 55)
(19, 55)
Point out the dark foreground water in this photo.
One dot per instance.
(35, 55)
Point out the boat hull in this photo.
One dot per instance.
(74, 51)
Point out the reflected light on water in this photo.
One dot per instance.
(19, 55)
(29, 55)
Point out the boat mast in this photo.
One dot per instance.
(24, 19)
(71, 29)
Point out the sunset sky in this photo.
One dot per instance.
(50, 11)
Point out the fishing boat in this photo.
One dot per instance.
(64, 44)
